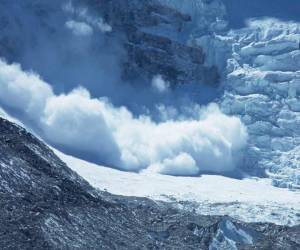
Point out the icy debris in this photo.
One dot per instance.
(283, 62)
(228, 235)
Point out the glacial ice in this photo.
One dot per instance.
(228, 235)
(262, 85)
(260, 67)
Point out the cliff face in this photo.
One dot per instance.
(155, 42)
(45, 205)
(152, 36)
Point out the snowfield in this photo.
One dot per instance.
(251, 200)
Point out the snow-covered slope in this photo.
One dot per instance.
(251, 200)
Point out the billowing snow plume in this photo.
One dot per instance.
(86, 18)
(79, 28)
(160, 85)
(78, 123)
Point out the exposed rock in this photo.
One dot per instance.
(154, 37)
(154, 40)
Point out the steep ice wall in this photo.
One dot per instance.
(262, 85)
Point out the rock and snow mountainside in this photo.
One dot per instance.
(260, 68)
(45, 205)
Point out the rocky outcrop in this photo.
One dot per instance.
(152, 36)
(45, 205)
(155, 41)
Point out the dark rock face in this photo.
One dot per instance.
(154, 40)
(45, 205)
(153, 37)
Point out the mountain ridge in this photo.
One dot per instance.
(46, 205)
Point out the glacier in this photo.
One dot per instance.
(262, 85)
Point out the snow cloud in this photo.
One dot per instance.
(79, 28)
(82, 125)
(23, 91)
(159, 84)
(83, 14)
(181, 165)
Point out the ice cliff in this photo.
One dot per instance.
(262, 85)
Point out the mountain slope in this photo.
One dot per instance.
(46, 205)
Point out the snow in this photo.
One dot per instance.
(160, 85)
(250, 199)
(82, 124)
(79, 28)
